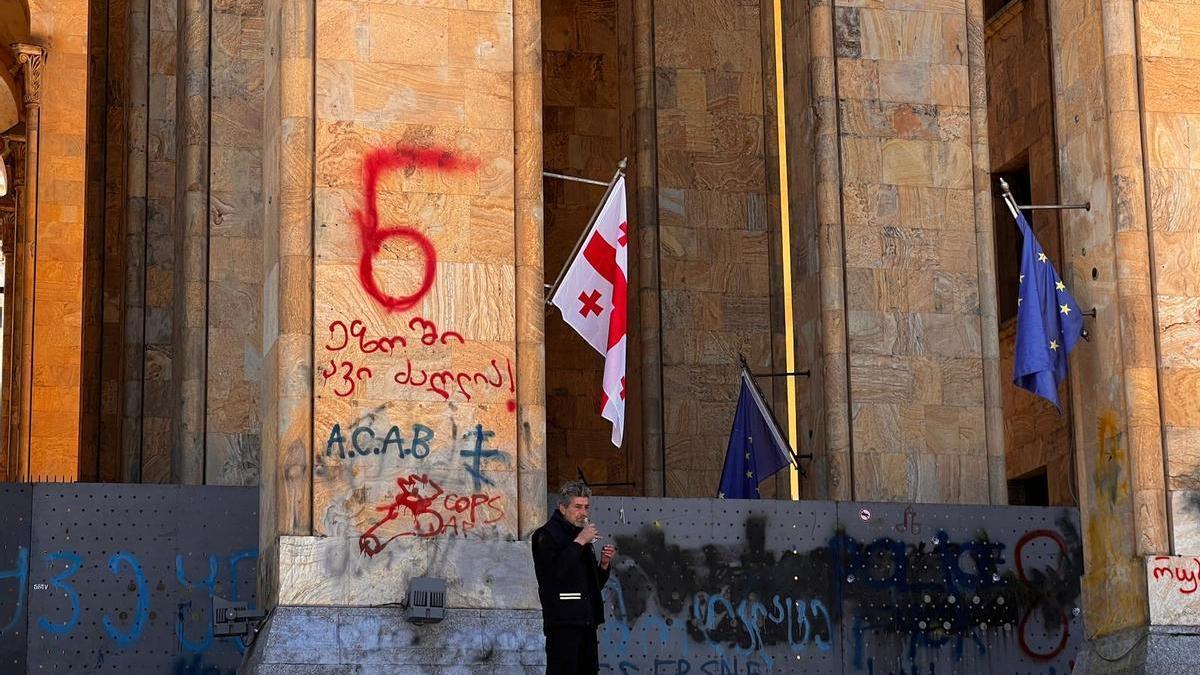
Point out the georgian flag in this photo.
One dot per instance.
(592, 299)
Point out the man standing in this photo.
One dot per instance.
(569, 583)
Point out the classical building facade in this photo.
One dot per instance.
(268, 244)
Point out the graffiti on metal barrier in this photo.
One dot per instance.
(741, 607)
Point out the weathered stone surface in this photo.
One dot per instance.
(358, 641)
(1173, 581)
(334, 571)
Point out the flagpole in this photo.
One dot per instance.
(770, 411)
(1009, 201)
(587, 228)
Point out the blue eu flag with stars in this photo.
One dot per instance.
(1048, 321)
(756, 447)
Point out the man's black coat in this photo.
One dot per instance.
(569, 578)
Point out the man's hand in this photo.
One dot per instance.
(606, 555)
(588, 535)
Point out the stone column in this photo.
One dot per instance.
(916, 247)
(11, 222)
(404, 423)
(649, 281)
(32, 59)
(191, 244)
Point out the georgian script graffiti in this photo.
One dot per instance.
(1183, 573)
(346, 375)
(446, 383)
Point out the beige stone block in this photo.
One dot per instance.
(1183, 457)
(481, 40)
(953, 7)
(898, 474)
(1168, 137)
(880, 379)
(1168, 28)
(904, 81)
(905, 162)
(949, 85)
(410, 35)
(860, 79)
(1181, 408)
(954, 39)
(911, 248)
(489, 100)
(1185, 525)
(1171, 85)
(1178, 259)
(338, 23)
(408, 94)
(1172, 591)
(1179, 331)
(901, 36)
(974, 474)
(1174, 196)
(922, 207)
(952, 165)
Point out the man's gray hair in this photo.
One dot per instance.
(571, 490)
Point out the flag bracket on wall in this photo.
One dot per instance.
(1086, 206)
(583, 478)
(620, 173)
(794, 373)
(770, 414)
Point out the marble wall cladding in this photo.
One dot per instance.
(59, 242)
(416, 128)
(916, 350)
(235, 244)
(1172, 130)
(713, 226)
(220, 298)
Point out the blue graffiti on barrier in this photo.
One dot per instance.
(806, 620)
(124, 632)
(59, 582)
(124, 639)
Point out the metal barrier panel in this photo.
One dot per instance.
(932, 588)
(737, 586)
(15, 523)
(120, 577)
(715, 586)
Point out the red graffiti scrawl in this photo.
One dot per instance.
(375, 165)
(431, 512)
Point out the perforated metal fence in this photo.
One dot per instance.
(716, 586)
(105, 578)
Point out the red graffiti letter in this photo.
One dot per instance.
(372, 236)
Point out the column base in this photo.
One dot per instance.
(1153, 650)
(380, 641)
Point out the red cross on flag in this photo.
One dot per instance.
(592, 298)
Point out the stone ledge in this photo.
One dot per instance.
(480, 574)
(1157, 650)
(364, 641)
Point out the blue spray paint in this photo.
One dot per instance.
(59, 581)
(210, 585)
(20, 574)
(141, 613)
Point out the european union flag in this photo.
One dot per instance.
(756, 447)
(1048, 321)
